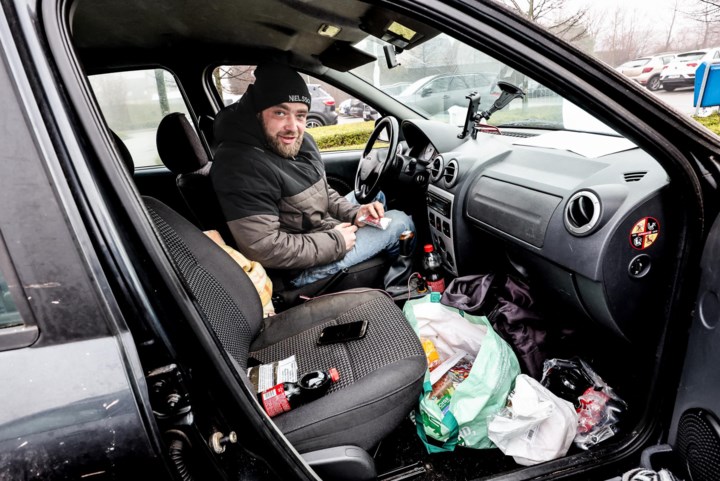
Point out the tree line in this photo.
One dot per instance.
(618, 34)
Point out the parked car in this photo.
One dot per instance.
(681, 71)
(435, 94)
(646, 70)
(352, 108)
(126, 333)
(394, 89)
(322, 108)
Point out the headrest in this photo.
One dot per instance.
(124, 153)
(179, 145)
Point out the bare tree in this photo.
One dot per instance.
(622, 36)
(554, 15)
(672, 24)
(707, 14)
(234, 79)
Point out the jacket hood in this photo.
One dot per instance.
(238, 122)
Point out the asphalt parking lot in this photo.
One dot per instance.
(681, 99)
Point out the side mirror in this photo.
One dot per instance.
(426, 91)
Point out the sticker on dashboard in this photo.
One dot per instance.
(644, 233)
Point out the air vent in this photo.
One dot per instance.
(436, 168)
(582, 213)
(633, 176)
(451, 172)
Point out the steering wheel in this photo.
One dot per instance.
(375, 163)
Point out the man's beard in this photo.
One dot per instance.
(284, 150)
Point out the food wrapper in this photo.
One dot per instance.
(377, 222)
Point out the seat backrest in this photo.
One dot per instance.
(224, 293)
(205, 127)
(124, 153)
(182, 152)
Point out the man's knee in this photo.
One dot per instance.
(400, 222)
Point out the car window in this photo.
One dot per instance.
(17, 326)
(9, 315)
(429, 64)
(457, 83)
(133, 103)
(684, 57)
(439, 85)
(331, 121)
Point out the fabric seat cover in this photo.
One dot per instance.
(380, 375)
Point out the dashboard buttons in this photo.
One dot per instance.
(446, 229)
(639, 266)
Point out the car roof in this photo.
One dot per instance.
(110, 34)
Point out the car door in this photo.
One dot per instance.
(695, 429)
(134, 102)
(73, 403)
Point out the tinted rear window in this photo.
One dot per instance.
(690, 56)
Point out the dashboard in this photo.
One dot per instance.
(586, 218)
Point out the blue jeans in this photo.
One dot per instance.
(369, 242)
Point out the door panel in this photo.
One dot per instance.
(340, 168)
(695, 430)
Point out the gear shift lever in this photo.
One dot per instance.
(397, 276)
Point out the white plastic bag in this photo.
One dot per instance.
(448, 330)
(536, 426)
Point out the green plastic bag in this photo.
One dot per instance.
(481, 395)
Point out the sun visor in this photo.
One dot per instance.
(342, 56)
(395, 29)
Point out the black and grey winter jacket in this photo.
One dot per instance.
(281, 211)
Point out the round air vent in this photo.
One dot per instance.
(436, 168)
(450, 175)
(582, 213)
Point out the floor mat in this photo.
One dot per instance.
(404, 448)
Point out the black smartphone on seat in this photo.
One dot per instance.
(343, 332)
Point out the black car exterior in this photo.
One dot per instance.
(96, 296)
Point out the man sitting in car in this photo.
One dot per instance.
(270, 181)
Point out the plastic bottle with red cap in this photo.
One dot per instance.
(432, 269)
(288, 395)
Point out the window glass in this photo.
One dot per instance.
(134, 103)
(453, 70)
(336, 120)
(9, 315)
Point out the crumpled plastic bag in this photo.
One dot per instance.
(598, 407)
(536, 426)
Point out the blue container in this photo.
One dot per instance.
(711, 96)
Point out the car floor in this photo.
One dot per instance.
(624, 367)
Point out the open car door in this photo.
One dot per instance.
(695, 430)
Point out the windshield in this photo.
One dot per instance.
(434, 78)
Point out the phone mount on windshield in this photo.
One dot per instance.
(509, 92)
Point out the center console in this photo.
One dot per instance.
(439, 210)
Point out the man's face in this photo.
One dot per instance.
(284, 126)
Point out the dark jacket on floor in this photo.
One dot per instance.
(281, 211)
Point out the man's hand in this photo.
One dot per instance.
(374, 209)
(348, 232)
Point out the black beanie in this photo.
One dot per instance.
(276, 84)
